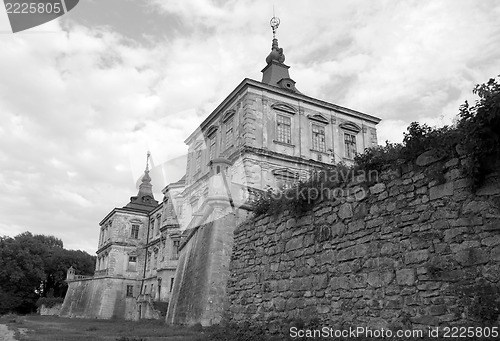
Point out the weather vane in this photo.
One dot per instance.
(147, 160)
(275, 22)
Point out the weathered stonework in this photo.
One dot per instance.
(102, 298)
(52, 311)
(397, 257)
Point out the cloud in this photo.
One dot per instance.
(84, 98)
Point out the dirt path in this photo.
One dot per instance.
(6, 334)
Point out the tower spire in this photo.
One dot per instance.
(144, 200)
(276, 72)
(276, 52)
(147, 161)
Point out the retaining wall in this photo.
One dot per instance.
(402, 256)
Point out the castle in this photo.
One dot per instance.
(170, 259)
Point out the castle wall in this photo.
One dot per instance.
(199, 293)
(411, 252)
(52, 311)
(102, 298)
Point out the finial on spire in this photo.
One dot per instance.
(275, 23)
(147, 161)
(276, 52)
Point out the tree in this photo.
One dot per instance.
(34, 266)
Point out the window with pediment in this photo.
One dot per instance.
(283, 129)
(350, 131)
(318, 138)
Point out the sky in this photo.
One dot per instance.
(85, 96)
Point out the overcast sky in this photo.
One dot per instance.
(82, 98)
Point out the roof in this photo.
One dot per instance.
(250, 83)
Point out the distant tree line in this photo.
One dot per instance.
(34, 267)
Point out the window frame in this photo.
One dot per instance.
(175, 249)
(134, 231)
(212, 142)
(350, 145)
(130, 290)
(198, 160)
(317, 144)
(229, 127)
(282, 137)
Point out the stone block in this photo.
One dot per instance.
(405, 276)
(437, 310)
(491, 241)
(416, 256)
(341, 282)
(377, 188)
(338, 230)
(495, 253)
(323, 309)
(355, 226)
(472, 256)
(327, 257)
(451, 163)
(429, 157)
(356, 251)
(425, 320)
(345, 211)
(379, 279)
(294, 243)
(475, 207)
(440, 191)
(453, 174)
(358, 281)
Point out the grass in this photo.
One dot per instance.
(52, 328)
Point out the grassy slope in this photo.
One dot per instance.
(49, 328)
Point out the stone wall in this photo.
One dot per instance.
(398, 256)
(199, 293)
(102, 298)
(46, 311)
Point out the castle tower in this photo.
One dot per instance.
(144, 200)
(276, 72)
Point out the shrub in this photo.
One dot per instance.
(378, 157)
(480, 125)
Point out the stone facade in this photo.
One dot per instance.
(239, 151)
(263, 135)
(52, 311)
(398, 256)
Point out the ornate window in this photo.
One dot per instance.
(175, 254)
(132, 263)
(151, 228)
(212, 147)
(178, 210)
(229, 133)
(283, 129)
(198, 160)
(163, 244)
(134, 233)
(318, 138)
(155, 260)
(350, 145)
(351, 129)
